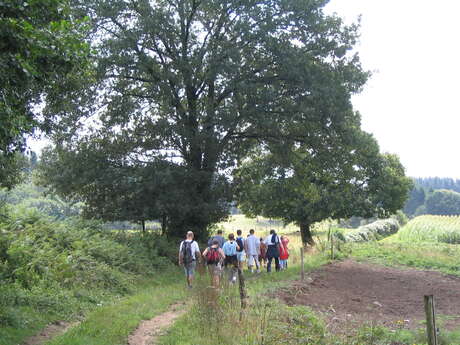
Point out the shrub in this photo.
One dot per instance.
(52, 266)
(374, 231)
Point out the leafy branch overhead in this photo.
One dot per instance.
(41, 43)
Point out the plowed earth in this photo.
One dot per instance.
(349, 294)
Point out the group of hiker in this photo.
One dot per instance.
(230, 255)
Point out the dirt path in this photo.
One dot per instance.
(349, 293)
(50, 332)
(148, 331)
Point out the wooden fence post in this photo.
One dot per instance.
(302, 271)
(430, 320)
(332, 247)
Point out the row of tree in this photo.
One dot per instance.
(432, 183)
(429, 201)
(173, 110)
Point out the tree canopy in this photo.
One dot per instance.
(443, 202)
(199, 84)
(40, 43)
(342, 178)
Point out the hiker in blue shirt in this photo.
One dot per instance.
(231, 261)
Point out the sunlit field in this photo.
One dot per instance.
(430, 228)
(261, 225)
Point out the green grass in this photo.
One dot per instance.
(429, 256)
(261, 225)
(35, 320)
(112, 324)
(430, 228)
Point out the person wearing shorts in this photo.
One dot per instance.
(231, 261)
(189, 253)
(215, 265)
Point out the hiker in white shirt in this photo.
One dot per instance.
(189, 254)
(252, 251)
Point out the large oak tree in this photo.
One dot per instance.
(200, 83)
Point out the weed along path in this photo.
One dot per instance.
(50, 332)
(349, 293)
(148, 331)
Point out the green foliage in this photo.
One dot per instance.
(27, 195)
(415, 200)
(431, 256)
(433, 183)
(430, 228)
(40, 43)
(309, 184)
(192, 86)
(63, 268)
(374, 231)
(443, 202)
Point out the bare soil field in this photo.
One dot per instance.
(349, 293)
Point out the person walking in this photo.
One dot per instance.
(231, 261)
(240, 255)
(252, 251)
(217, 237)
(273, 250)
(284, 252)
(214, 256)
(189, 254)
(262, 253)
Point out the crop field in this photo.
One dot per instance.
(430, 228)
(260, 225)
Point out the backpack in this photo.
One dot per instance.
(274, 239)
(239, 241)
(187, 256)
(212, 256)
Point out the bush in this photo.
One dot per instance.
(400, 217)
(52, 266)
(374, 231)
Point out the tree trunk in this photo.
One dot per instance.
(306, 235)
(143, 226)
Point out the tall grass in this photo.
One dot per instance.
(429, 228)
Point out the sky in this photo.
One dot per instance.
(411, 103)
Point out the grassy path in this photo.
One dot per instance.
(112, 324)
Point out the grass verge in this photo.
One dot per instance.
(431, 256)
(112, 324)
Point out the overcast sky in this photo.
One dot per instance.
(411, 104)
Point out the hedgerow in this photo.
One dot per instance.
(64, 267)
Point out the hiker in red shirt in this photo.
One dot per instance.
(214, 256)
(284, 252)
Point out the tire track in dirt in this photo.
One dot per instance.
(149, 330)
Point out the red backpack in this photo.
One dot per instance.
(212, 256)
